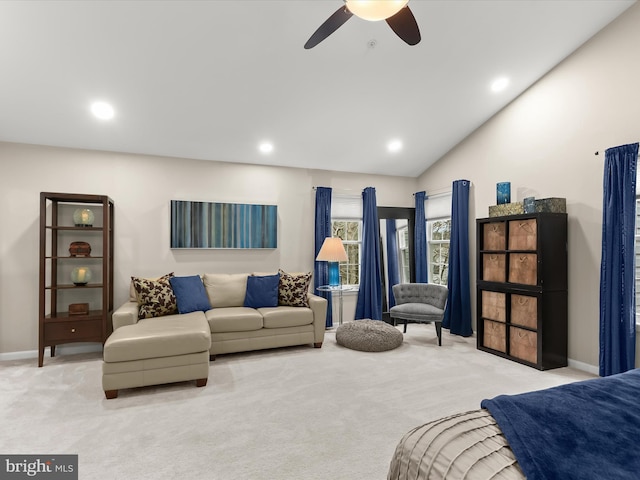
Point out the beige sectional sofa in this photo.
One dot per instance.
(170, 348)
(235, 328)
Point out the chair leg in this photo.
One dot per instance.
(439, 332)
(405, 326)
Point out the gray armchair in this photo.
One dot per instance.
(420, 303)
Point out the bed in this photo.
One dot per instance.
(587, 430)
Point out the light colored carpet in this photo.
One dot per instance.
(293, 413)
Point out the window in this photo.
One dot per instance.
(438, 238)
(350, 231)
(438, 212)
(346, 223)
(403, 247)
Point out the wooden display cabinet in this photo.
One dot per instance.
(74, 312)
(522, 288)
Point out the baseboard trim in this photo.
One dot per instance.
(93, 347)
(585, 367)
(60, 350)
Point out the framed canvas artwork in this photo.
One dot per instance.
(223, 225)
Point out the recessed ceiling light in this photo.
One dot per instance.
(102, 110)
(266, 147)
(499, 84)
(394, 146)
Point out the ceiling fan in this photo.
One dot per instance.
(395, 12)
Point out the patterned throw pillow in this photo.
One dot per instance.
(155, 297)
(293, 289)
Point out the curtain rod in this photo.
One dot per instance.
(437, 195)
(441, 192)
(448, 191)
(341, 191)
(315, 187)
(598, 153)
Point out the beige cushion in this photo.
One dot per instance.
(159, 337)
(279, 317)
(226, 290)
(233, 319)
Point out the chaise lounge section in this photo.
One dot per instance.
(154, 351)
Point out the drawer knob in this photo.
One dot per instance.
(73, 330)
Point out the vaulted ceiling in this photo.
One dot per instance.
(212, 80)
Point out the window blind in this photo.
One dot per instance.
(438, 206)
(346, 207)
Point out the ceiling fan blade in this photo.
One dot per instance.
(328, 27)
(405, 26)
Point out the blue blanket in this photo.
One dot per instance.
(587, 430)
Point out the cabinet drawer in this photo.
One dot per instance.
(495, 335)
(523, 344)
(494, 305)
(524, 310)
(523, 234)
(493, 267)
(79, 329)
(493, 236)
(523, 268)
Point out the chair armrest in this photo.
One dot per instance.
(126, 314)
(319, 308)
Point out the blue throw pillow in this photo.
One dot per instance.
(190, 294)
(262, 291)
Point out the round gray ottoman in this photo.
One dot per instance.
(368, 336)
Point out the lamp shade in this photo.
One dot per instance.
(374, 10)
(332, 250)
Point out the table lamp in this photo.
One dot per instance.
(332, 251)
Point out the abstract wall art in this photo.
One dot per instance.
(223, 225)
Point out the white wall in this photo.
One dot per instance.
(544, 143)
(142, 187)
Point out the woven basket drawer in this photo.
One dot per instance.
(523, 344)
(494, 236)
(495, 335)
(524, 310)
(493, 267)
(523, 234)
(494, 305)
(523, 268)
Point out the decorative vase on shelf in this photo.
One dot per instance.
(83, 217)
(80, 276)
(529, 205)
(503, 193)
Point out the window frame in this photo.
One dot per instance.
(404, 257)
(430, 243)
(346, 243)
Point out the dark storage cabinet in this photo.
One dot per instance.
(74, 312)
(522, 288)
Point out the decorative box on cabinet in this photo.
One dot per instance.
(522, 288)
(62, 317)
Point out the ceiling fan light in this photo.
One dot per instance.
(375, 10)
